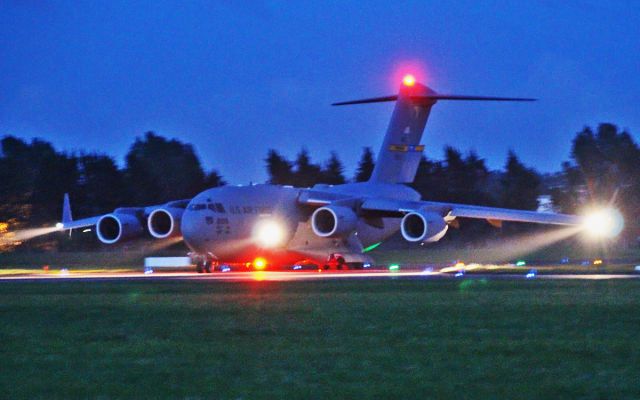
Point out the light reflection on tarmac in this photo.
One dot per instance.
(287, 276)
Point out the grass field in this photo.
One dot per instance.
(391, 338)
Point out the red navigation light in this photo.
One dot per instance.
(259, 263)
(409, 80)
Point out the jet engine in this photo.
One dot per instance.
(164, 222)
(420, 226)
(112, 228)
(333, 221)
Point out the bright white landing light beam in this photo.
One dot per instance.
(604, 224)
(269, 233)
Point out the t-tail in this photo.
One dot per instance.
(401, 150)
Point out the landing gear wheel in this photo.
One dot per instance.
(199, 267)
(341, 263)
(207, 267)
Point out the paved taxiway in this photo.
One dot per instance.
(280, 276)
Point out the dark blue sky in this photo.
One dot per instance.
(237, 78)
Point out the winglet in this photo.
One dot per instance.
(66, 210)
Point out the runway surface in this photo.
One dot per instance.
(287, 276)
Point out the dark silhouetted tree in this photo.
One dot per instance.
(279, 168)
(100, 187)
(333, 171)
(430, 180)
(520, 185)
(306, 174)
(159, 170)
(213, 179)
(466, 178)
(34, 178)
(365, 165)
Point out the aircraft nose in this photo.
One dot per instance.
(193, 231)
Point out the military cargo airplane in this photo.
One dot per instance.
(268, 225)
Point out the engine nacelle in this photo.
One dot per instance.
(165, 222)
(333, 221)
(420, 226)
(112, 228)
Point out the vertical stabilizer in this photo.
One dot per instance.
(399, 156)
(66, 210)
(401, 150)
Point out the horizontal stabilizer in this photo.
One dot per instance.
(401, 151)
(433, 98)
(365, 101)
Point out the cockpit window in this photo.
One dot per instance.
(211, 207)
(197, 207)
(220, 208)
(178, 204)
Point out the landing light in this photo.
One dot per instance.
(269, 233)
(604, 224)
(59, 225)
(409, 80)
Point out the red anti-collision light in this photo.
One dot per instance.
(409, 80)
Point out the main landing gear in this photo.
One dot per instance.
(204, 265)
(335, 261)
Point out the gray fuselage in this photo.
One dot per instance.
(220, 222)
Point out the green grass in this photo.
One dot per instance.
(499, 252)
(328, 339)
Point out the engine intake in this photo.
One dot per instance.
(164, 222)
(426, 227)
(333, 221)
(112, 228)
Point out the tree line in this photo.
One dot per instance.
(34, 177)
(603, 168)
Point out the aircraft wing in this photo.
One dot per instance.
(386, 207)
(451, 211)
(128, 221)
(504, 214)
(81, 223)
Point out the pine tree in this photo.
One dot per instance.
(307, 174)
(279, 168)
(520, 185)
(365, 166)
(160, 169)
(333, 171)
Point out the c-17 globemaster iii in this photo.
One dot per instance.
(281, 225)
